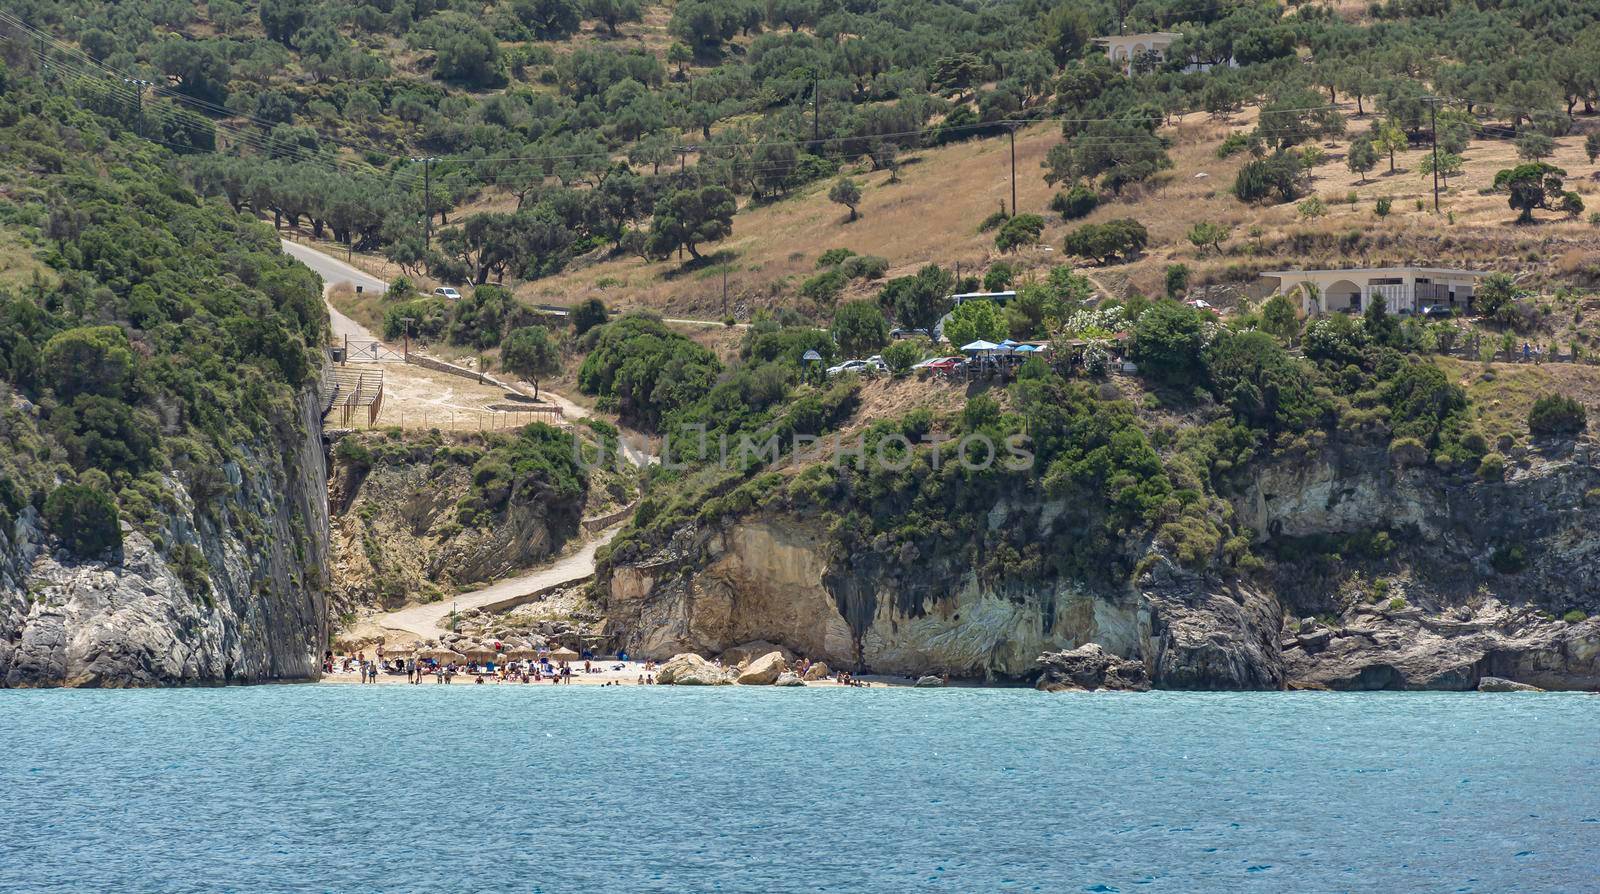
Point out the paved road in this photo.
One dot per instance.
(334, 271)
(426, 620)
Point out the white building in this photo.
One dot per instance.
(1402, 289)
(1125, 49)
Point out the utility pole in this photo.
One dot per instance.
(724, 291)
(1011, 131)
(1433, 137)
(816, 107)
(427, 199)
(138, 86)
(407, 337)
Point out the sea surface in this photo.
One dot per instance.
(621, 789)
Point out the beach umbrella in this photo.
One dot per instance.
(443, 655)
(519, 654)
(566, 655)
(480, 652)
(979, 345)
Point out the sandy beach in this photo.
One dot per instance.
(604, 673)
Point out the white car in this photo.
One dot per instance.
(855, 366)
(447, 293)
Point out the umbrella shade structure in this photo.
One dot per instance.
(480, 652)
(566, 655)
(811, 356)
(979, 345)
(521, 654)
(405, 651)
(442, 655)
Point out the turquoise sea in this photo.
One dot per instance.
(606, 789)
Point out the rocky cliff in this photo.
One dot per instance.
(230, 590)
(1484, 573)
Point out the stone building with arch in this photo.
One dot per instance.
(1404, 290)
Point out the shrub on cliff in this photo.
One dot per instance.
(1557, 414)
(85, 519)
(643, 370)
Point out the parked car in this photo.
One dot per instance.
(855, 366)
(908, 333)
(1440, 311)
(447, 293)
(937, 363)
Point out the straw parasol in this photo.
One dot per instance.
(566, 655)
(521, 652)
(479, 652)
(441, 654)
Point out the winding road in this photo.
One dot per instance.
(334, 271)
(427, 620)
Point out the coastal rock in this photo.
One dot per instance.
(1090, 667)
(929, 681)
(903, 607)
(233, 593)
(739, 655)
(818, 671)
(788, 678)
(1499, 684)
(764, 671)
(690, 669)
(1452, 651)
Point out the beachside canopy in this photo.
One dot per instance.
(980, 345)
(811, 356)
(442, 655)
(566, 655)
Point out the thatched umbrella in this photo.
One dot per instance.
(479, 652)
(564, 654)
(442, 655)
(521, 652)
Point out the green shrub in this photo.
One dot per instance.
(1576, 616)
(1024, 229)
(833, 257)
(1509, 559)
(864, 267)
(1557, 414)
(993, 221)
(900, 355)
(825, 287)
(1075, 203)
(85, 519)
(1492, 467)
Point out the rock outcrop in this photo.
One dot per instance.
(1326, 520)
(743, 653)
(1500, 684)
(788, 678)
(396, 530)
(763, 671)
(690, 669)
(234, 591)
(1455, 650)
(1088, 668)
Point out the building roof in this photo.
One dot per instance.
(1371, 271)
(1110, 38)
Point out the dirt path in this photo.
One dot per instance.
(424, 620)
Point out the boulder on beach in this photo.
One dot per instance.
(742, 654)
(929, 682)
(788, 678)
(1501, 684)
(1090, 667)
(764, 671)
(818, 671)
(689, 669)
